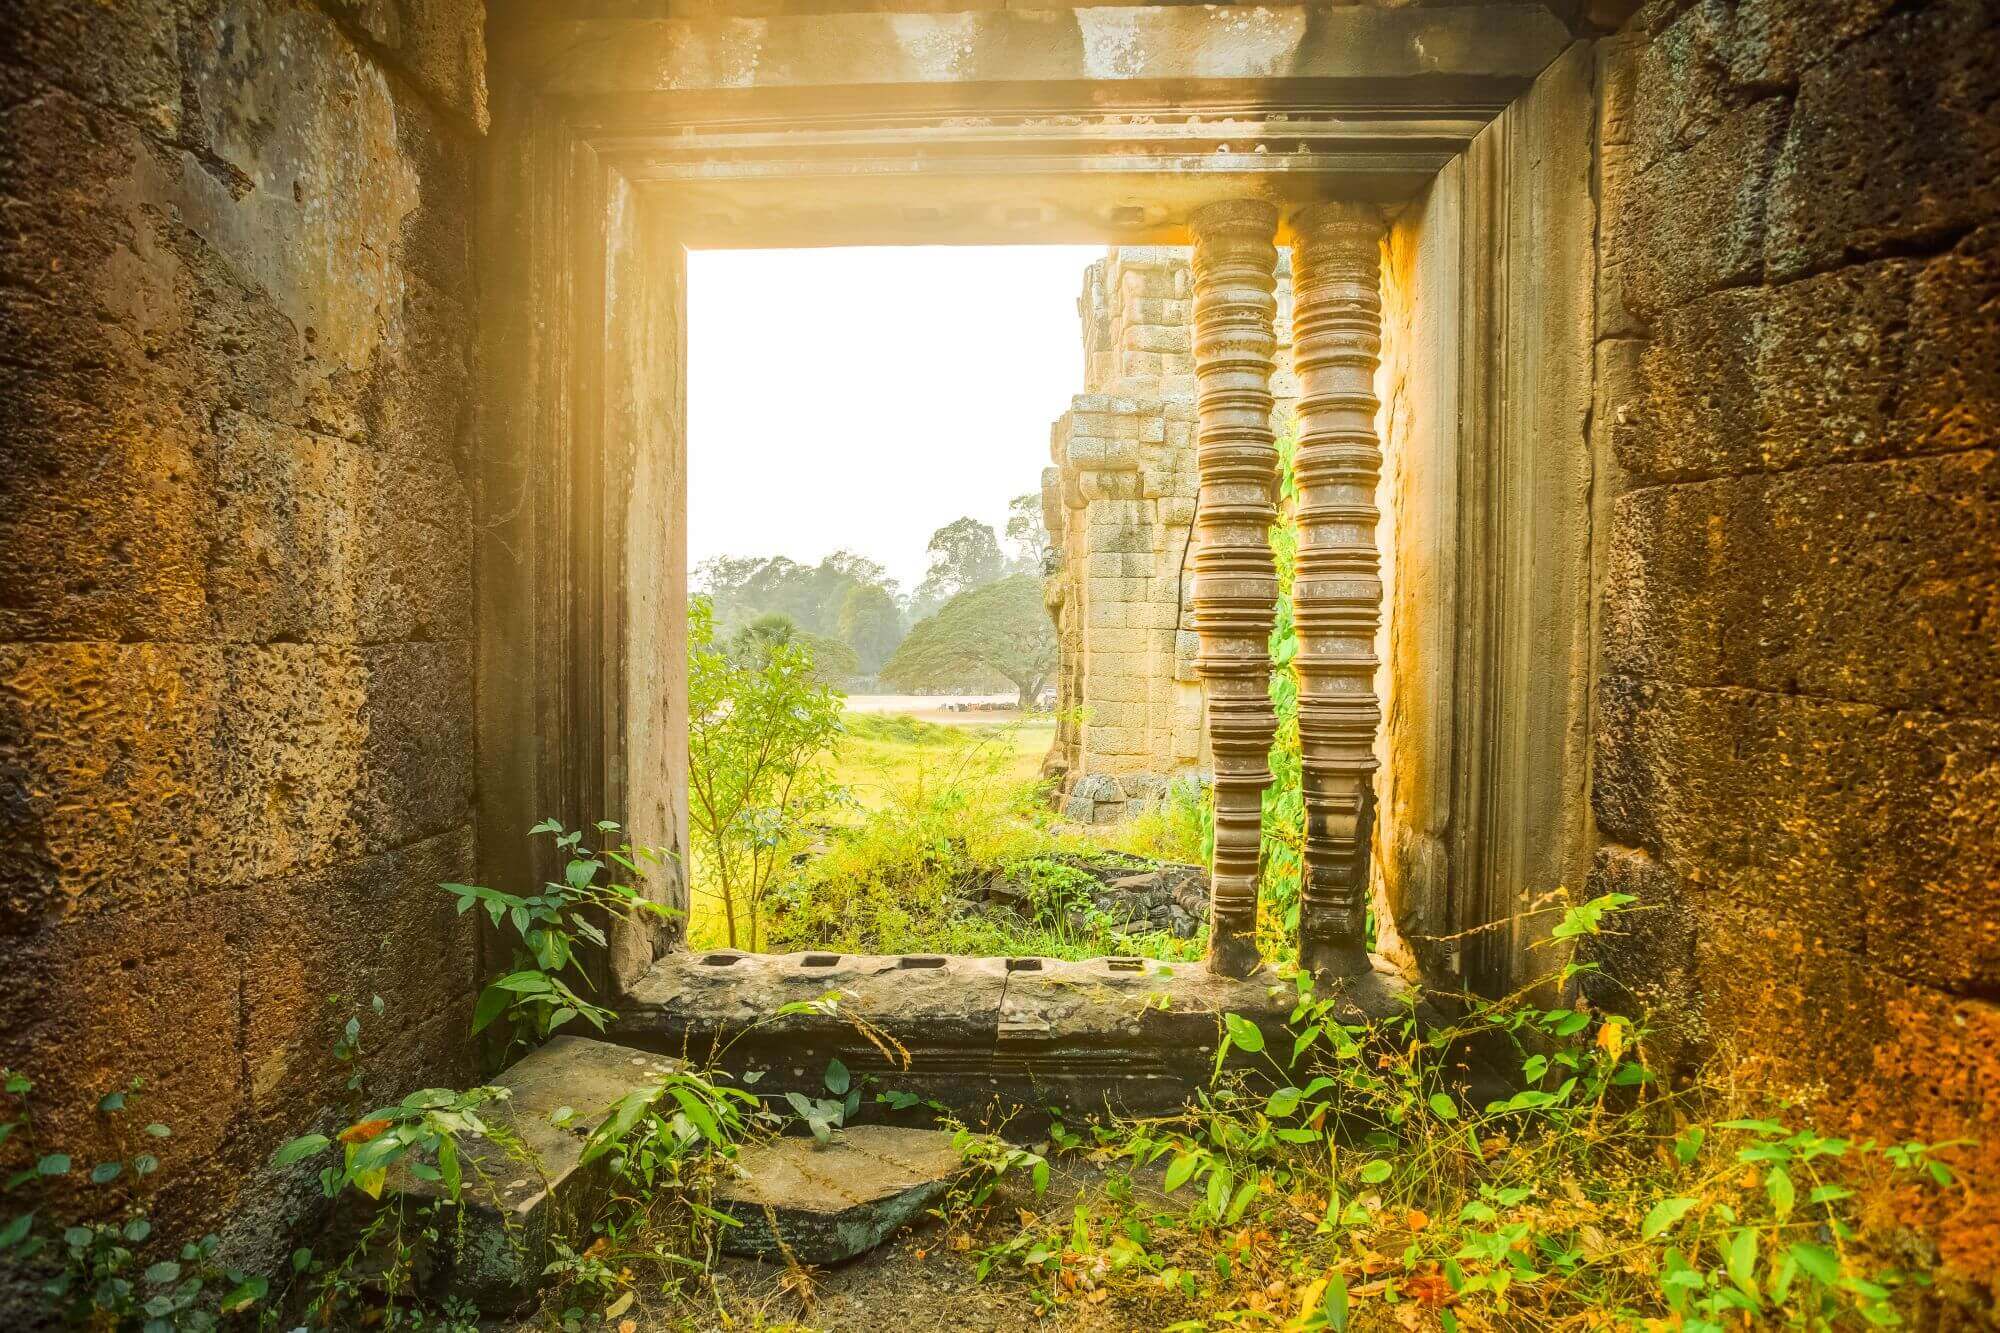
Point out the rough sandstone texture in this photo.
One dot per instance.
(1119, 504)
(1797, 747)
(236, 740)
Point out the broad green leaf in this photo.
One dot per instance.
(1816, 1261)
(699, 1114)
(163, 1272)
(1282, 1103)
(55, 1164)
(1180, 1169)
(1663, 1216)
(1779, 1186)
(247, 1293)
(525, 983)
(1334, 1305)
(303, 1146)
(1742, 1261)
(1443, 1107)
(837, 1077)
(449, 1170)
(1688, 1145)
(1243, 1034)
(1376, 1172)
(105, 1172)
(13, 1233)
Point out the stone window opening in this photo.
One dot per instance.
(1467, 794)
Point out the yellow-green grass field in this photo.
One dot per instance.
(882, 754)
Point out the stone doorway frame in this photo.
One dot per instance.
(618, 142)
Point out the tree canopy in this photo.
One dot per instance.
(964, 555)
(1027, 534)
(1001, 629)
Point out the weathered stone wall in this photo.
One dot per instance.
(1798, 716)
(1119, 504)
(236, 718)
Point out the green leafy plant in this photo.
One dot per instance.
(111, 1271)
(1345, 1176)
(541, 992)
(757, 731)
(421, 1132)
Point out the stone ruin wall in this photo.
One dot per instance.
(236, 717)
(1119, 503)
(1797, 730)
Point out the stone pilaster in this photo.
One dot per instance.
(1235, 578)
(1337, 587)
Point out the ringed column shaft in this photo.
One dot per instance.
(1337, 585)
(1235, 577)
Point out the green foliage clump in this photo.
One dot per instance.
(109, 1271)
(539, 994)
(1344, 1176)
(757, 733)
(898, 880)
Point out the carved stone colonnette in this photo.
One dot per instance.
(1235, 578)
(1337, 591)
(1337, 587)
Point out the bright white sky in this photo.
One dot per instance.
(860, 399)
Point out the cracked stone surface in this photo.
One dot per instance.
(834, 1201)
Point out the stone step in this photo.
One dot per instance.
(825, 1203)
(518, 1196)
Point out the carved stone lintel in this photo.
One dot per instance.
(1235, 578)
(1337, 588)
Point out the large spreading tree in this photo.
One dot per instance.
(1001, 630)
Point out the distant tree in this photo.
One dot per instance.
(871, 624)
(1027, 535)
(964, 555)
(755, 645)
(1001, 628)
(743, 589)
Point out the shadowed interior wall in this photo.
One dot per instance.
(236, 710)
(1798, 701)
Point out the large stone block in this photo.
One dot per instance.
(104, 514)
(1870, 582)
(151, 993)
(1949, 397)
(377, 925)
(124, 56)
(439, 44)
(1878, 831)
(1870, 1055)
(1693, 222)
(330, 753)
(110, 769)
(1891, 143)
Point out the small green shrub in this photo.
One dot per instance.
(539, 994)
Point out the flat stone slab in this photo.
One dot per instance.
(525, 1188)
(984, 1037)
(831, 1202)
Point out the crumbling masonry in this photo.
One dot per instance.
(1119, 502)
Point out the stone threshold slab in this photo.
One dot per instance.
(987, 1038)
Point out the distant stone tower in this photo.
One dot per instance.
(1119, 503)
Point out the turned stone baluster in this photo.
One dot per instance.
(1235, 580)
(1337, 586)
